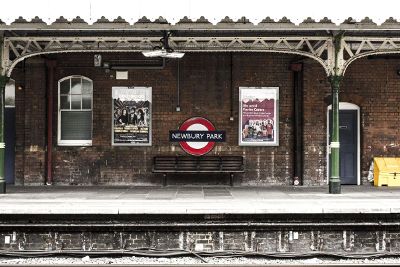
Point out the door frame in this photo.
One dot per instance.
(344, 106)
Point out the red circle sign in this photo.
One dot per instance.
(197, 124)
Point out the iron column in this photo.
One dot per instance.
(3, 82)
(334, 179)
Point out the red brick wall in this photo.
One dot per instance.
(205, 81)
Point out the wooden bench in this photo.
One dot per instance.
(197, 165)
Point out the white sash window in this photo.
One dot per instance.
(75, 102)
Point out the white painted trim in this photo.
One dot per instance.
(75, 142)
(345, 106)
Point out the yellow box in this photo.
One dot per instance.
(387, 171)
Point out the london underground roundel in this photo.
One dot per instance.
(197, 136)
(197, 124)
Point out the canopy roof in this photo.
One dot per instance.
(201, 24)
(333, 46)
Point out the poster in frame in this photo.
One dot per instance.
(259, 116)
(131, 116)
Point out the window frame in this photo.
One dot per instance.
(61, 142)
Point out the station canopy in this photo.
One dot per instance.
(201, 25)
(200, 16)
(305, 28)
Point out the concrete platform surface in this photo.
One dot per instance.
(197, 200)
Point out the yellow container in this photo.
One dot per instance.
(387, 171)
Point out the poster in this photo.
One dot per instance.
(258, 119)
(131, 116)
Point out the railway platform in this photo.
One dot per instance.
(198, 200)
(363, 221)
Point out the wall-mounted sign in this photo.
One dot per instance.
(258, 121)
(131, 116)
(197, 136)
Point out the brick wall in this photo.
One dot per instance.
(375, 86)
(205, 91)
(30, 122)
(265, 242)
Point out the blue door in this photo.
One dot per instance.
(348, 145)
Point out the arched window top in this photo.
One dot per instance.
(75, 93)
(75, 76)
(76, 85)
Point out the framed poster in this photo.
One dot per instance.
(131, 123)
(259, 118)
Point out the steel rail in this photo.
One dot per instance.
(203, 256)
(206, 264)
(150, 252)
(201, 225)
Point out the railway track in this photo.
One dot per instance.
(205, 265)
(186, 258)
(277, 237)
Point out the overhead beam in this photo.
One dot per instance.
(22, 47)
(315, 47)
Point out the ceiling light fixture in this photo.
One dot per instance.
(165, 50)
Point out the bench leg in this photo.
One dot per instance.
(231, 179)
(164, 179)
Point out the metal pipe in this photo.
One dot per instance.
(178, 106)
(50, 64)
(298, 162)
(231, 86)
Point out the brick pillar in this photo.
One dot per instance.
(35, 121)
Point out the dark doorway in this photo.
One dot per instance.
(348, 127)
(9, 133)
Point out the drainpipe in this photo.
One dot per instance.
(50, 64)
(298, 163)
(231, 87)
